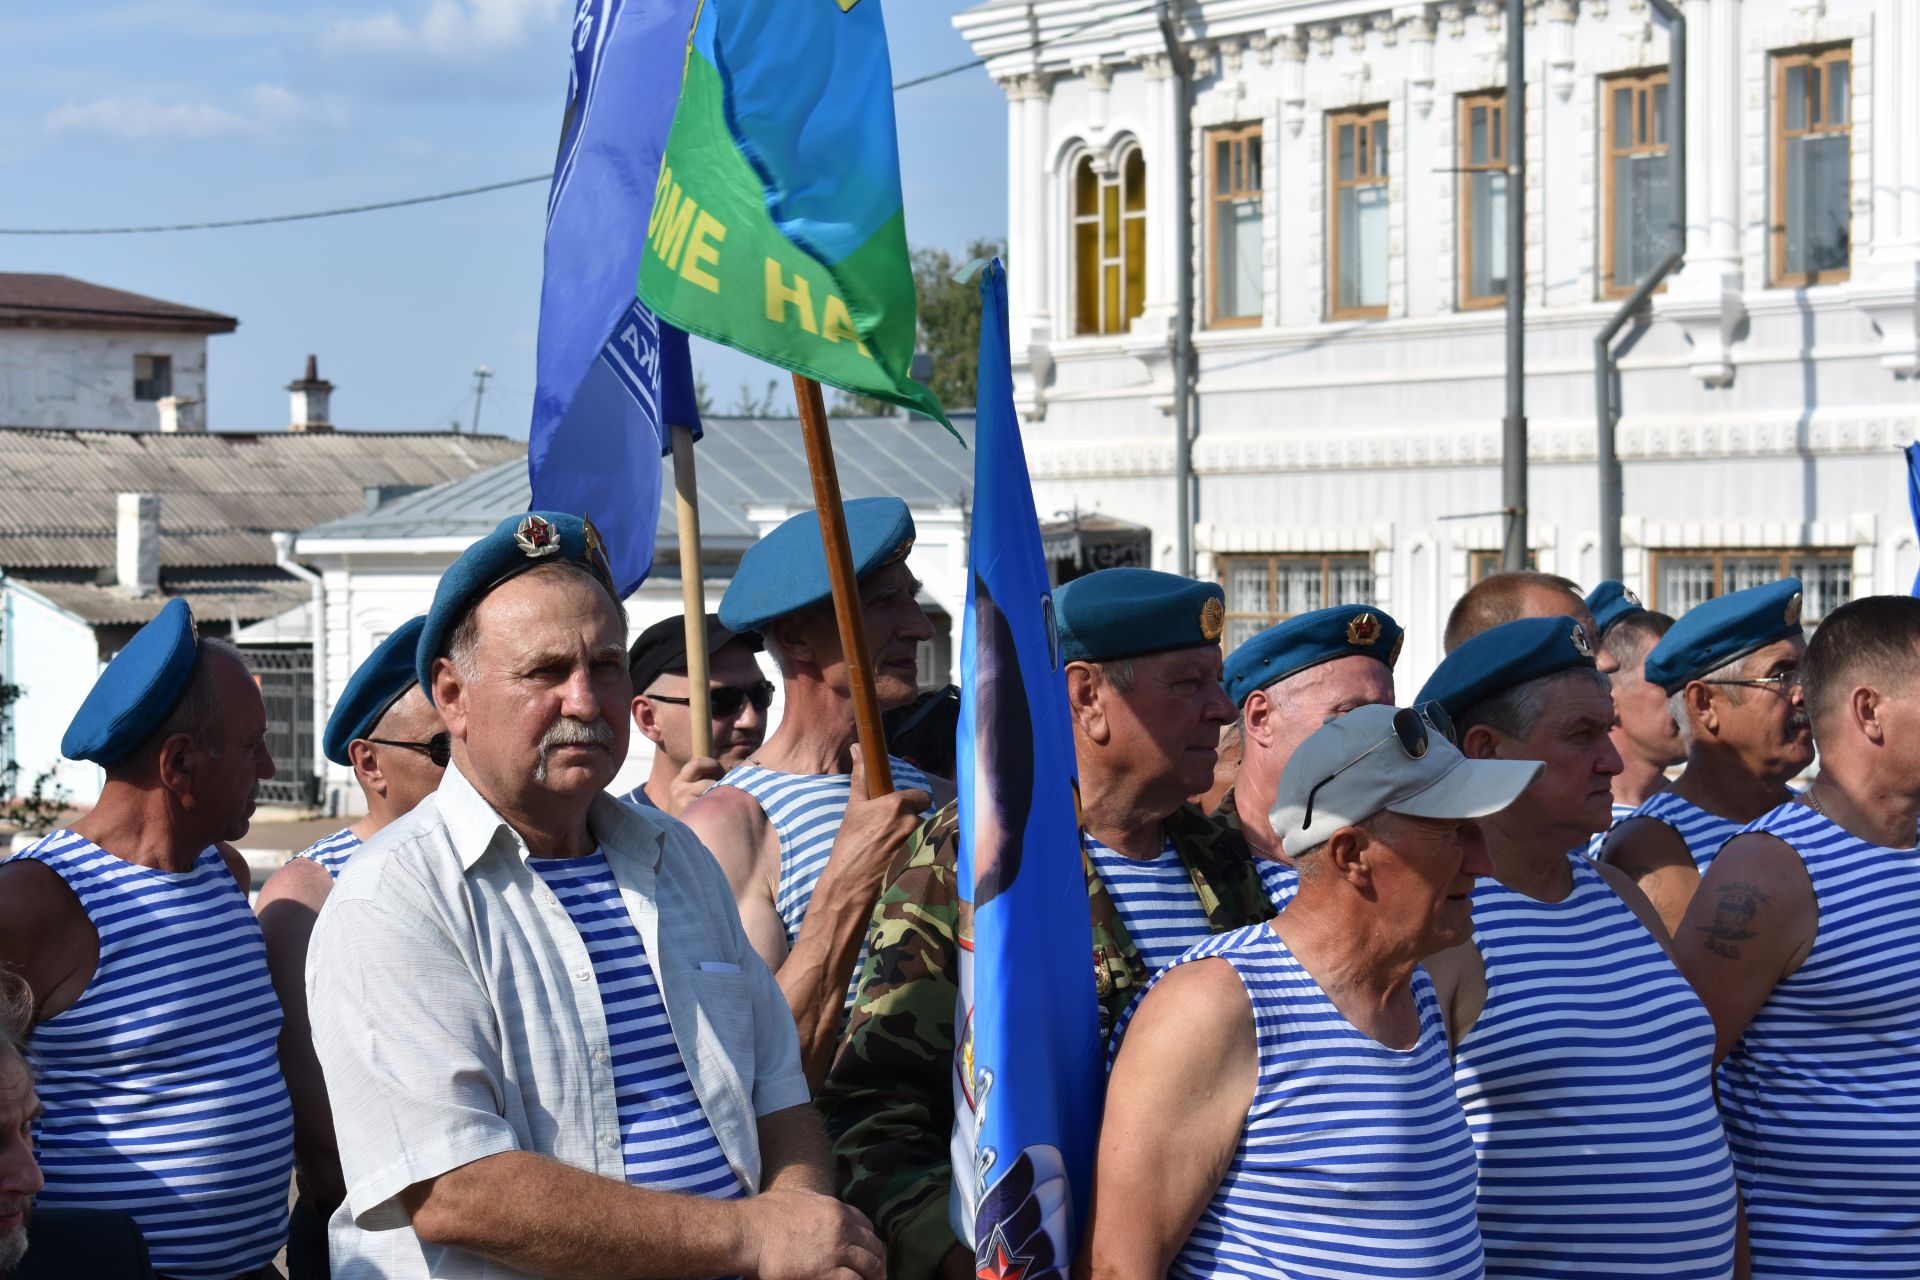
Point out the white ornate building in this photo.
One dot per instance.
(1349, 264)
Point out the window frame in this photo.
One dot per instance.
(1819, 56)
(1495, 100)
(1784, 558)
(1225, 561)
(1251, 138)
(160, 370)
(1643, 83)
(1109, 178)
(1362, 119)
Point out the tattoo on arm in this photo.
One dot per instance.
(1733, 919)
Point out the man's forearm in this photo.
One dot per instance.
(819, 968)
(530, 1212)
(794, 1152)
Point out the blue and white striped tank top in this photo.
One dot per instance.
(1355, 1160)
(1822, 1094)
(332, 851)
(1620, 812)
(669, 1145)
(1279, 879)
(1587, 1080)
(1704, 832)
(1156, 901)
(162, 1083)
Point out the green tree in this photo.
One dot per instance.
(748, 405)
(702, 394)
(949, 331)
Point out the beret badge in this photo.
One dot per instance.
(1627, 594)
(536, 537)
(1793, 610)
(1581, 645)
(1363, 630)
(1213, 619)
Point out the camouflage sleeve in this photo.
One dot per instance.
(888, 1098)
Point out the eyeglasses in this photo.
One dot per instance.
(1410, 726)
(1783, 684)
(438, 748)
(727, 700)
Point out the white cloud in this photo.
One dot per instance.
(449, 29)
(264, 109)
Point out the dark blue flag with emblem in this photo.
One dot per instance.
(1027, 1073)
(611, 377)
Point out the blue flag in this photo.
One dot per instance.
(611, 377)
(1913, 496)
(1028, 1077)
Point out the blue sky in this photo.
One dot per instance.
(160, 111)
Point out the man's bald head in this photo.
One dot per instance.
(1507, 597)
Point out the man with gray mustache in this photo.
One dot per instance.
(549, 1046)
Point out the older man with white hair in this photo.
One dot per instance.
(549, 1046)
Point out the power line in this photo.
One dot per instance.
(273, 218)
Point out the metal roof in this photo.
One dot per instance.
(742, 463)
(220, 600)
(61, 302)
(221, 494)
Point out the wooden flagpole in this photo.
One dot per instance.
(846, 590)
(693, 590)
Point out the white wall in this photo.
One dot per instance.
(1752, 415)
(52, 655)
(83, 379)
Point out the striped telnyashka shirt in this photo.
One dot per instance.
(162, 1082)
(666, 1138)
(1156, 901)
(1355, 1160)
(805, 810)
(1279, 879)
(332, 851)
(1621, 812)
(1822, 1093)
(1587, 1080)
(1703, 832)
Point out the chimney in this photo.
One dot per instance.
(180, 415)
(310, 400)
(137, 544)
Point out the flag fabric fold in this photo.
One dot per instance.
(776, 224)
(1913, 497)
(610, 376)
(1028, 1075)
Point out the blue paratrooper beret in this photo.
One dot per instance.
(1307, 640)
(1723, 629)
(1609, 602)
(786, 571)
(377, 684)
(1128, 613)
(517, 544)
(142, 684)
(1502, 657)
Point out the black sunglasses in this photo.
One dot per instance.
(1410, 726)
(438, 748)
(726, 700)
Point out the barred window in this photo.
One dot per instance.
(1683, 579)
(1265, 589)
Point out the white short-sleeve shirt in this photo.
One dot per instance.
(456, 1014)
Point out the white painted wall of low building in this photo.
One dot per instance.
(1754, 416)
(84, 379)
(51, 654)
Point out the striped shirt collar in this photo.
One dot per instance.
(475, 826)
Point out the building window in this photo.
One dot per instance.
(1358, 213)
(1233, 158)
(1683, 579)
(152, 377)
(1483, 200)
(1262, 590)
(1484, 564)
(1109, 244)
(1639, 227)
(1812, 166)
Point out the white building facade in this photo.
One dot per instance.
(1349, 274)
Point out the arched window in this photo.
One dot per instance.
(1109, 244)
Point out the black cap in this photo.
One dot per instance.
(662, 647)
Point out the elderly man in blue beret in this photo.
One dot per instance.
(549, 1047)
(1730, 669)
(148, 973)
(1583, 1060)
(1287, 681)
(385, 730)
(803, 844)
(1142, 656)
(1645, 735)
(1804, 942)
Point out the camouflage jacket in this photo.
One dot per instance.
(888, 1099)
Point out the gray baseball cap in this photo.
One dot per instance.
(1363, 763)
